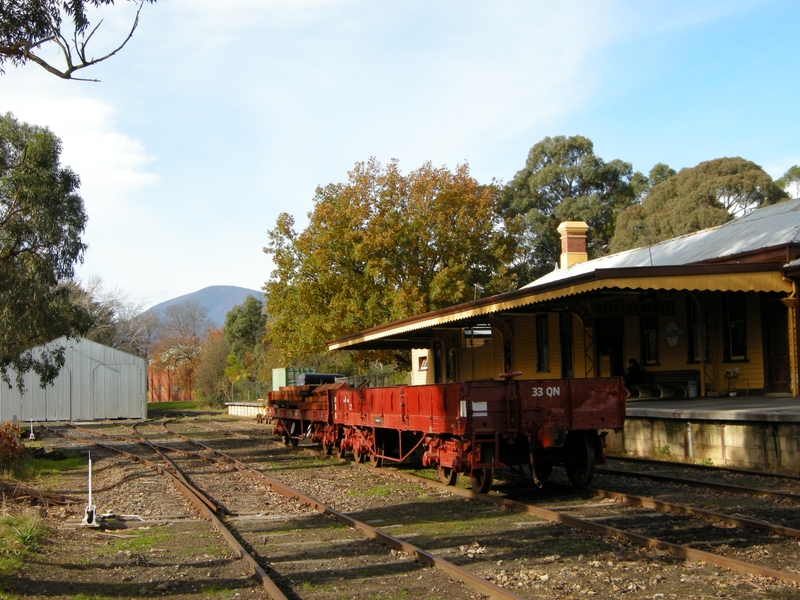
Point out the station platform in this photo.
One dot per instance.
(752, 432)
(767, 409)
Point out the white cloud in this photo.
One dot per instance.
(112, 165)
(217, 116)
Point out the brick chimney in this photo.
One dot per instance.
(573, 243)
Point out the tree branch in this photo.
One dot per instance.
(24, 50)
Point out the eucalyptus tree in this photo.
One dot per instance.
(709, 194)
(790, 182)
(29, 28)
(563, 179)
(42, 219)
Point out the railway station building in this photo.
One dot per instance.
(709, 317)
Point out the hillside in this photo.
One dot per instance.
(216, 299)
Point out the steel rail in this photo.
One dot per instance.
(613, 532)
(199, 501)
(722, 487)
(174, 469)
(470, 580)
(669, 463)
(674, 508)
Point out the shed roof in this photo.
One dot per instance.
(774, 226)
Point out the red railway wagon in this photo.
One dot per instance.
(468, 427)
(300, 411)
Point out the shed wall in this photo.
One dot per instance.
(96, 382)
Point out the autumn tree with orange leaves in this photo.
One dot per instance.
(175, 354)
(380, 247)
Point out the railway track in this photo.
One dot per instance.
(594, 515)
(725, 547)
(700, 467)
(687, 520)
(531, 555)
(229, 502)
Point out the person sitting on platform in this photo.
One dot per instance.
(633, 375)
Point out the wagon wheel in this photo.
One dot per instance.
(375, 460)
(341, 451)
(360, 457)
(447, 475)
(481, 479)
(327, 450)
(295, 426)
(286, 439)
(580, 465)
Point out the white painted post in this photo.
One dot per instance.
(90, 514)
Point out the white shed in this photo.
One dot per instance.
(96, 382)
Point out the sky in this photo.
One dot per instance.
(218, 116)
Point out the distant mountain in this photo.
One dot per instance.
(216, 299)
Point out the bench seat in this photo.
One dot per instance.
(665, 384)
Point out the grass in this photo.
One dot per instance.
(19, 536)
(27, 469)
(10, 565)
(662, 453)
(213, 590)
(162, 406)
(137, 543)
(393, 595)
(308, 586)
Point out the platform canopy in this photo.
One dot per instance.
(417, 331)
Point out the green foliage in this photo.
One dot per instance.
(245, 328)
(710, 194)
(564, 180)
(659, 174)
(380, 247)
(790, 182)
(211, 385)
(41, 222)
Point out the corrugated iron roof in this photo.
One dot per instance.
(767, 227)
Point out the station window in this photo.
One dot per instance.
(542, 344)
(736, 326)
(650, 340)
(423, 363)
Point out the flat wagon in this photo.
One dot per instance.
(468, 427)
